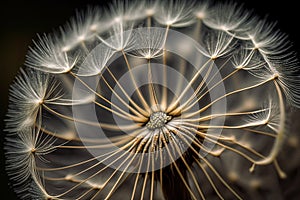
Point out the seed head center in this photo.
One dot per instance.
(157, 120)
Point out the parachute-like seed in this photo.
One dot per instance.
(175, 13)
(28, 92)
(101, 56)
(149, 43)
(24, 150)
(47, 55)
(236, 18)
(217, 44)
(127, 10)
(82, 28)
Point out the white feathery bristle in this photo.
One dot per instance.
(22, 150)
(217, 44)
(30, 90)
(47, 55)
(248, 59)
(126, 10)
(96, 61)
(81, 28)
(175, 13)
(264, 116)
(121, 37)
(26, 95)
(227, 17)
(148, 43)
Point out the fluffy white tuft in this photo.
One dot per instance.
(175, 13)
(22, 152)
(47, 55)
(29, 91)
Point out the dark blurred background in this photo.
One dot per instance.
(21, 21)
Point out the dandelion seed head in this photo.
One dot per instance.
(125, 101)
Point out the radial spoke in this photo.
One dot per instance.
(125, 115)
(196, 75)
(197, 31)
(200, 88)
(145, 178)
(152, 93)
(90, 177)
(152, 178)
(179, 171)
(87, 140)
(106, 155)
(98, 124)
(220, 178)
(210, 89)
(187, 166)
(209, 179)
(204, 126)
(228, 94)
(140, 95)
(217, 142)
(164, 98)
(141, 110)
(123, 102)
(119, 178)
(180, 81)
(213, 116)
(137, 177)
